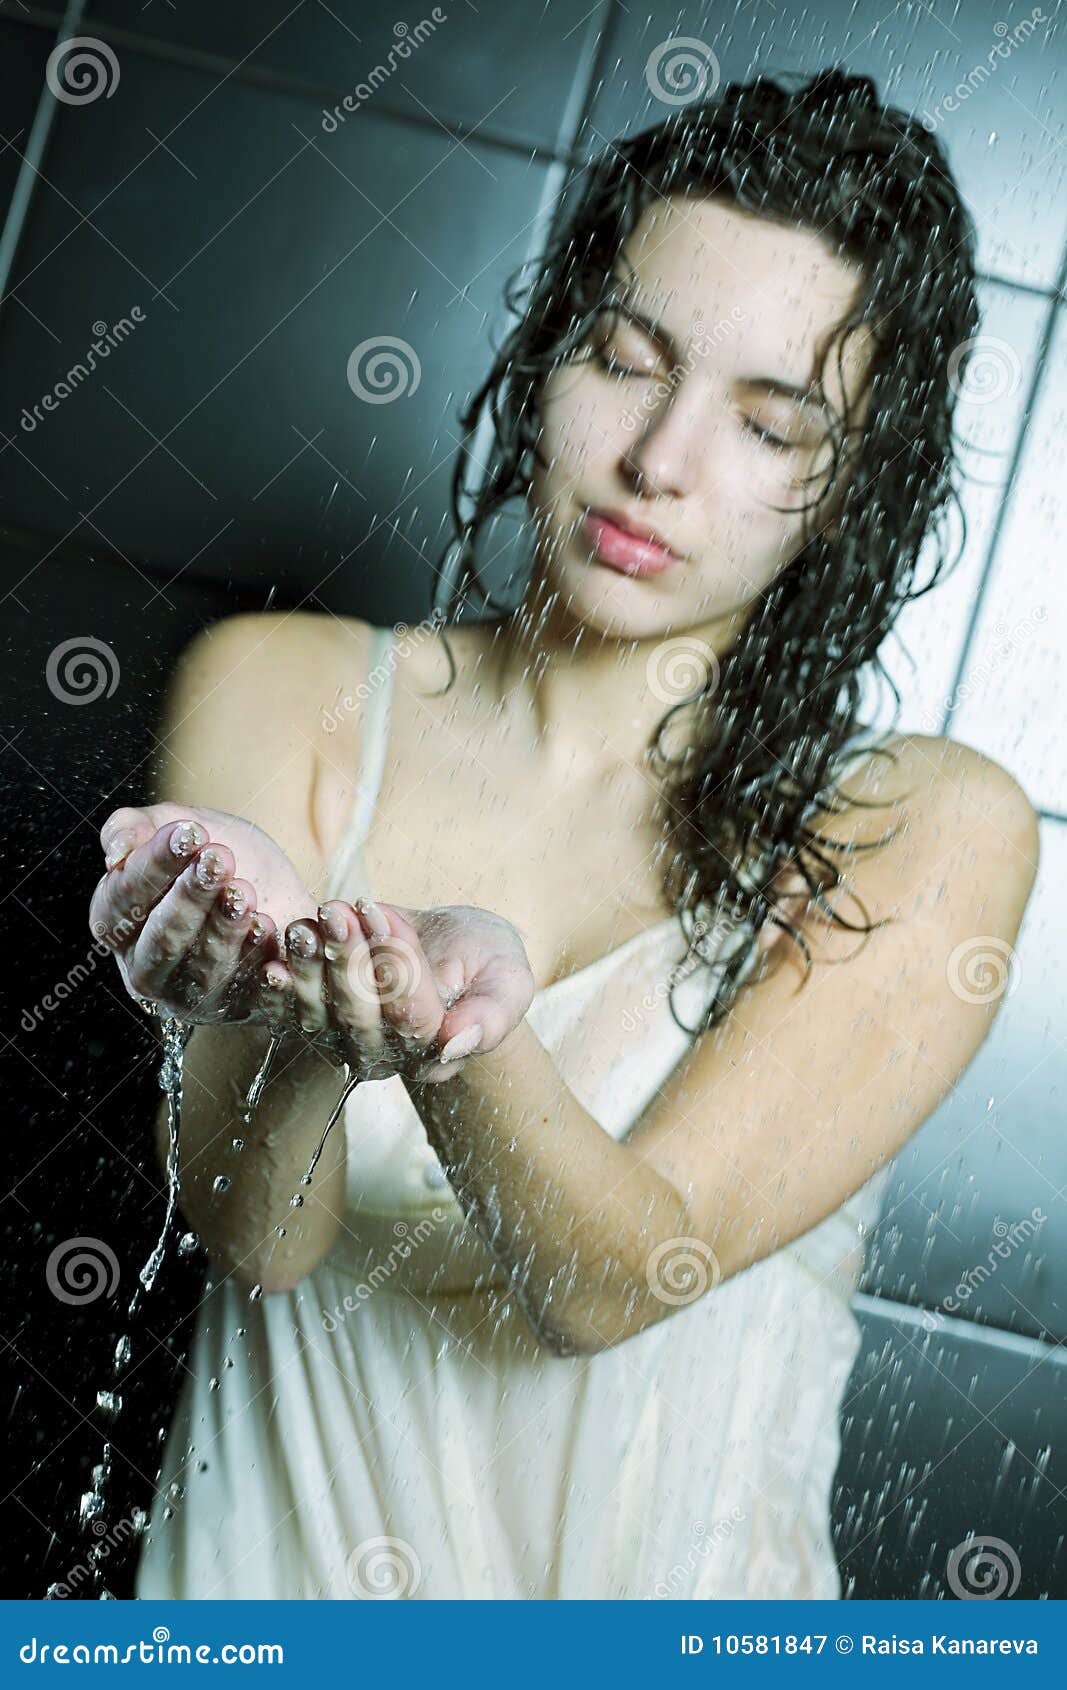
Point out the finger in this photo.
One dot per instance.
(128, 894)
(214, 955)
(174, 925)
(262, 944)
(122, 831)
(304, 960)
(407, 991)
(351, 985)
(476, 1023)
(277, 1004)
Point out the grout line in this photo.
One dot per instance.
(959, 1327)
(28, 175)
(994, 556)
(566, 155)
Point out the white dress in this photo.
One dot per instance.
(390, 1429)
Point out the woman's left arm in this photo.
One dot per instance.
(775, 1118)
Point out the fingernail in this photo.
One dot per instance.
(462, 1044)
(376, 919)
(185, 839)
(257, 931)
(234, 903)
(332, 952)
(334, 922)
(118, 850)
(209, 869)
(301, 942)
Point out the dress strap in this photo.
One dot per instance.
(347, 874)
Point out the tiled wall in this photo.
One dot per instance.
(219, 454)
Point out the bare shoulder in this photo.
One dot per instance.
(297, 654)
(940, 781)
(959, 827)
(248, 710)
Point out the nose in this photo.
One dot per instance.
(662, 459)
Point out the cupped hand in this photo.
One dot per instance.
(405, 991)
(187, 934)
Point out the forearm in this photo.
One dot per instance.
(237, 1225)
(571, 1214)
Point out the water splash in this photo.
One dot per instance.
(351, 1081)
(255, 1090)
(175, 1035)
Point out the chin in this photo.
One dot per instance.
(621, 607)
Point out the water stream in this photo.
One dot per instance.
(175, 1036)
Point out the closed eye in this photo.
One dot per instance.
(770, 439)
(612, 367)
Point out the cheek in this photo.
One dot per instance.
(583, 422)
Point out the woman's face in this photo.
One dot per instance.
(696, 437)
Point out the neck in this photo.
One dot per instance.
(590, 701)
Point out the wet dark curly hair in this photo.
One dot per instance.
(876, 187)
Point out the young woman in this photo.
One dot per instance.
(676, 955)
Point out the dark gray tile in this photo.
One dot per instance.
(261, 253)
(510, 68)
(974, 1220)
(987, 82)
(948, 1438)
(23, 56)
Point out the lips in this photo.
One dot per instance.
(615, 543)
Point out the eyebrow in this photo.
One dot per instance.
(806, 398)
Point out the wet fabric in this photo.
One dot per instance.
(390, 1428)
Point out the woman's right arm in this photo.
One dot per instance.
(242, 732)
